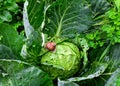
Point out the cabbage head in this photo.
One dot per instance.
(63, 62)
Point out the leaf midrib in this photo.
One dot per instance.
(61, 21)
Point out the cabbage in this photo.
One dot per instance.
(63, 62)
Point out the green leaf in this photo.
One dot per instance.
(6, 52)
(18, 73)
(114, 80)
(5, 16)
(33, 43)
(28, 28)
(32, 47)
(117, 3)
(13, 7)
(95, 70)
(99, 6)
(37, 16)
(11, 38)
(114, 57)
(112, 14)
(31, 33)
(68, 17)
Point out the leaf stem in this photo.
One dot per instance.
(60, 24)
(107, 74)
(105, 52)
(59, 29)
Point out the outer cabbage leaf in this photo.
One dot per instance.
(99, 6)
(37, 11)
(17, 73)
(11, 38)
(68, 17)
(114, 64)
(33, 43)
(6, 52)
(112, 60)
(114, 57)
(95, 70)
(114, 79)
